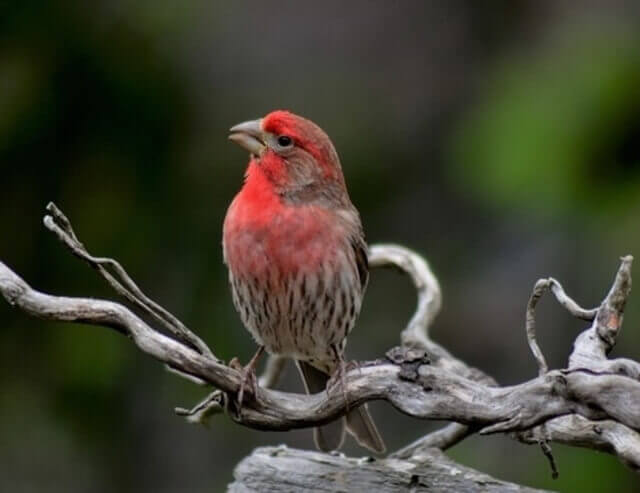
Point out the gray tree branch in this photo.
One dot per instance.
(594, 402)
(280, 469)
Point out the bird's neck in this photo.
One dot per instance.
(267, 186)
(258, 190)
(267, 232)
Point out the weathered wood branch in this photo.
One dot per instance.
(594, 402)
(120, 281)
(280, 469)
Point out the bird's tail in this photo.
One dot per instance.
(361, 426)
(358, 421)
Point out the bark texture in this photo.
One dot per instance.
(593, 402)
(280, 469)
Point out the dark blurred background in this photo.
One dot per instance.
(501, 139)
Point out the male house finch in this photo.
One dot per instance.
(297, 257)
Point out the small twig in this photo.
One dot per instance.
(610, 313)
(429, 294)
(213, 404)
(546, 450)
(122, 283)
(202, 412)
(569, 304)
(543, 442)
(541, 286)
(443, 439)
(538, 290)
(593, 345)
(605, 435)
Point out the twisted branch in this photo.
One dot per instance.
(594, 402)
(120, 281)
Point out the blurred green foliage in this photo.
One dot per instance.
(558, 130)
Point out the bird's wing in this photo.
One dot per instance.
(362, 261)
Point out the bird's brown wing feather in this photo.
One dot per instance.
(330, 436)
(359, 422)
(361, 426)
(362, 262)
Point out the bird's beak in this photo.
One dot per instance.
(249, 136)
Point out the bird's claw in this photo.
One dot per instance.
(248, 377)
(338, 376)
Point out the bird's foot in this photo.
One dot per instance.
(338, 376)
(248, 376)
(248, 379)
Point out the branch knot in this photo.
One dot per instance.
(410, 360)
(420, 378)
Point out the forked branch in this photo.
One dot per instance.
(594, 402)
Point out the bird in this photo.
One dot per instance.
(296, 254)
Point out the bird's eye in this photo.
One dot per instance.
(284, 141)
